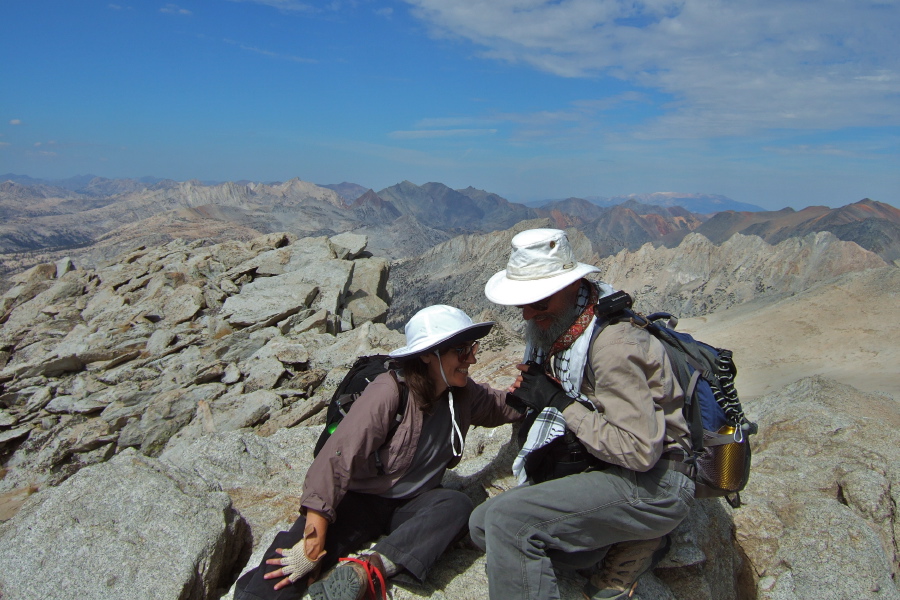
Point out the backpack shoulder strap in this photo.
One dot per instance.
(609, 309)
(403, 390)
(404, 396)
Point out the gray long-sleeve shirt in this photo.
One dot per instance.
(347, 460)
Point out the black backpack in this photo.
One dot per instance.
(360, 375)
(720, 448)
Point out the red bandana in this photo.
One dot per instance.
(578, 327)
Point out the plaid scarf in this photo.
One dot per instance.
(566, 360)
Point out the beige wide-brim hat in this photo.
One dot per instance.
(439, 325)
(541, 263)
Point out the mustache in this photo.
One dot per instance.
(544, 338)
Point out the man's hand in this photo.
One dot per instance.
(536, 390)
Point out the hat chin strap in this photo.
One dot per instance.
(455, 433)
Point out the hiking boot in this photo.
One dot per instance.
(355, 579)
(618, 574)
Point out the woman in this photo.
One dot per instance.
(349, 498)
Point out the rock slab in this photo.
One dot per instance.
(82, 538)
(820, 516)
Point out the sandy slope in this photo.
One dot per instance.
(845, 329)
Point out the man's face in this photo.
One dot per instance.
(547, 319)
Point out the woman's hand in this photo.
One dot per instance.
(313, 547)
(314, 534)
(518, 382)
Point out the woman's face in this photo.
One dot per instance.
(456, 361)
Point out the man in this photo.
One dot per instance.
(602, 482)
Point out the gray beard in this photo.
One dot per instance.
(544, 338)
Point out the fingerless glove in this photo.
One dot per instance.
(296, 564)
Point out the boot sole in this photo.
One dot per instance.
(343, 584)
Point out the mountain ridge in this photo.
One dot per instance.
(696, 202)
(108, 216)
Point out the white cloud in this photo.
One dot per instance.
(15, 121)
(283, 5)
(420, 134)
(729, 68)
(2, 144)
(269, 53)
(387, 11)
(803, 150)
(454, 122)
(174, 9)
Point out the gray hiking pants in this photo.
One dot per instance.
(571, 521)
(417, 531)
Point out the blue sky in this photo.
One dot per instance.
(775, 103)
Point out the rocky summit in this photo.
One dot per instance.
(158, 412)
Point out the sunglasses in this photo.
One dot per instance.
(539, 306)
(465, 352)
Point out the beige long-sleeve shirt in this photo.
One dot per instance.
(631, 382)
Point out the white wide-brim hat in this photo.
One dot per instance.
(541, 263)
(439, 325)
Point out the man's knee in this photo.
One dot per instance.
(476, 525)
(495, 519)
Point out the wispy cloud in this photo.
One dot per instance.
(805, 150)
(393, 154)
(728, 68)
(270, 53)
(454, 122)
(174, 9)
(574, 124)
(283, 5)
(612, 102)
(2, 144)
(386, 11)
(41, 153)
(15, 121)
(421, 134)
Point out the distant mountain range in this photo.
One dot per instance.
(347, 191)
(703, 204)
(873, 225)
(96, 218)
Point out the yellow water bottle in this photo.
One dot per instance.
(730, 460)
